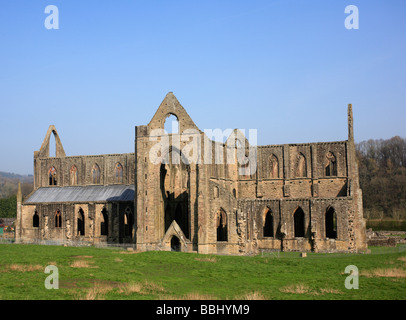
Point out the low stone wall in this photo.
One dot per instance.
(382, 242)
(385, 238)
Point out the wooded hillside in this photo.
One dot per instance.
(8, 190)
(382, 173)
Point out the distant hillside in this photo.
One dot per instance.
(9, 184)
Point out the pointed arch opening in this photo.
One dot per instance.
(301, 167)
(171, 125)
(128, 222)
(330, 168)
(299, 223)
(96, 174)
(274, 167)
(104, 224)
(52, 148)
(222, 225)
(58, 219)
(215, 192)
(35, 220)
(331, 223)
(118, 173)
(73, 174)
(175, 244)
(81, 222)
(268, 223)
(52, 176)
(174, 185)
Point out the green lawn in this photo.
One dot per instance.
(94, 273)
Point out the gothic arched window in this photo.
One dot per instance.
(299, 223)
(73, 174)
(301, 168)
(95, 174)
(118, 173)
(330, 165)
(58, 219)
(52, 176)
(221, 225)
(268, 223)
(35, 220)
(331, 223)
(274, 167)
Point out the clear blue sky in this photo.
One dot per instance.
(286, 68)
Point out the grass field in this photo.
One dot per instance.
(90, 273)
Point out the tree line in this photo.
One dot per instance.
(382, 175)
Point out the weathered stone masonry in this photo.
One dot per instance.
(301, 197)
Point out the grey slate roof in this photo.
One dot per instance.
(83, 194)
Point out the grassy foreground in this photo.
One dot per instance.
(93, 273)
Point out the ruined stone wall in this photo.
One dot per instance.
(283, 238)
(209, 207)
(84, 165)
(68, 228)
(218, 198)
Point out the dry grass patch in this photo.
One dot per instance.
(189, 296)
(24, 267)
(96, 293)
(152, 286)
(330, 290)
(207, 259)
(382, 272)
(296, 288)
(132, 251)
(252, 296)
(82, 264)
(304, 289)
(145, 287)
(402, 258)
(129, 288)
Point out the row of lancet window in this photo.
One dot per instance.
(268, 226)
(330, 166)
(299, 223)
(95, 175)
(104, 224)
(221, 225)
(272, 167)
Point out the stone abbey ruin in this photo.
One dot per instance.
(291, 197)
